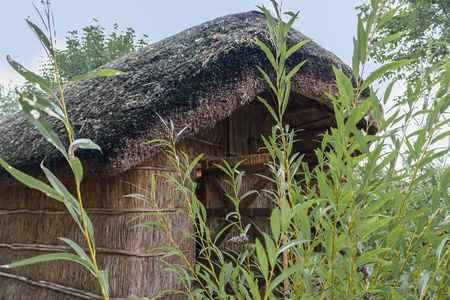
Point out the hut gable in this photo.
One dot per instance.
(197, 77)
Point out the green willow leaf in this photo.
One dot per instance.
(288, 25)
(434, 240)
(81, 253)
(41, 36)
(267, 51)
(272, 86)
(103, 276)
(269, 108)
(376, 106)
(345, 87)
(275, 224)
(71, 204)
(396, 295)
(97, 73)
(402, 244)
(294, 71)
(294, 48)
(44, 127)
(364, 261)
(382, 70)
(83, 144)
(46, 105)
(287, 273)
(30, 76)
(271, 250)
(251, 284)
(77, 168)
(362, 39)
(48, 257)
(191, 167)
(291, 244)
(338, 270)
(413, 214)
(172, 253)
(388, 39)
(386, 17)
(150, 224)
(286, 215)
(270, 22)
(423, 282)
(32, 182)
(440, 248)
(262, 259)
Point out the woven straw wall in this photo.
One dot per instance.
(32, 223)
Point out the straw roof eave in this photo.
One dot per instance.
(196, 77)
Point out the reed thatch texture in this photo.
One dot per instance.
(128, 275)
(197, 77)
(34, 223)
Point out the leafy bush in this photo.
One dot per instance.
(37, 109)
(376, 223)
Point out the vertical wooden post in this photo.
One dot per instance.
(192, 242)
(227, 137)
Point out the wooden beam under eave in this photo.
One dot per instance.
(249, 212)
(313, 123)
(299, 111)
(254, 168)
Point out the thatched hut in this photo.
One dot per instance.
(204, 76)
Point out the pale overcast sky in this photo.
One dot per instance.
(331, 23)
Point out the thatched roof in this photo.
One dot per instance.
(198, 76)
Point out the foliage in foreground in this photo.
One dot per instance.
(417, 29)
(375, 225)
(37, 109)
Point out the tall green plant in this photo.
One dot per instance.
(375, 225)
(248, 267)
(35, 107)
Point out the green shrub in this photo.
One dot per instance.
(37, 109)
(379, 210)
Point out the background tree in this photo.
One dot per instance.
(84, 52)
(92, 49)
(423, 23)
(9, 103)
